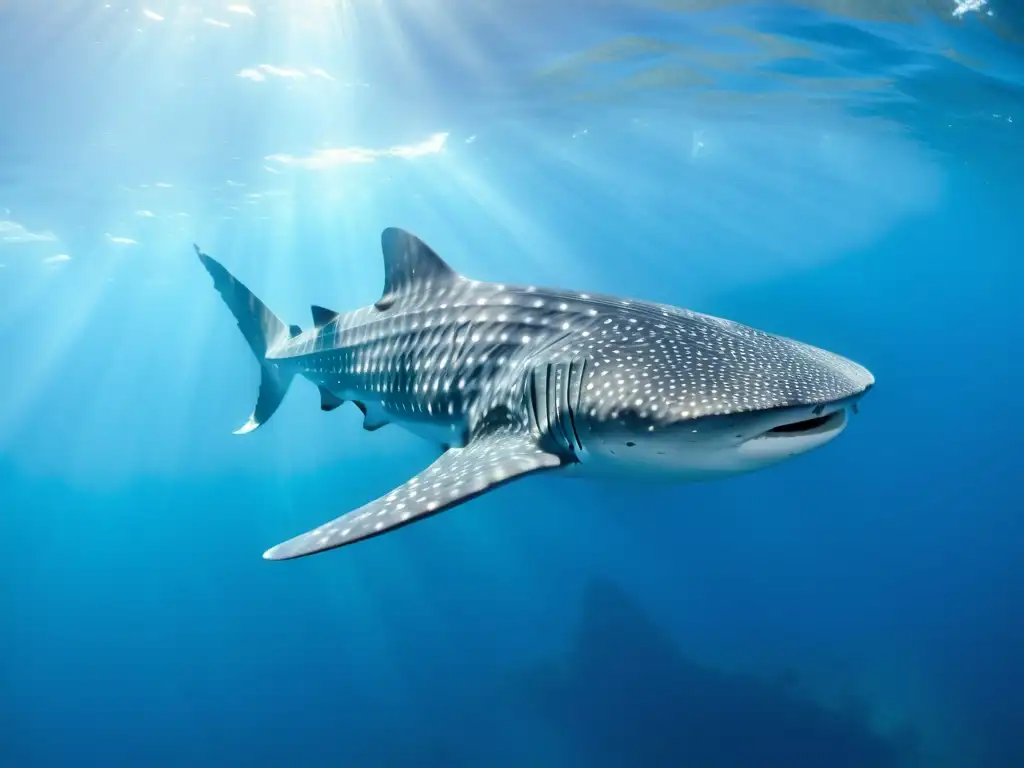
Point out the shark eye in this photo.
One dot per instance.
(630, 444)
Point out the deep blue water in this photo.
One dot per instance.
(847, 173)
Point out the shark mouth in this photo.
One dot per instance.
(813, 426)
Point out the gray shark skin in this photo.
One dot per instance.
(512, 381)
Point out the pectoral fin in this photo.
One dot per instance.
(459, 475)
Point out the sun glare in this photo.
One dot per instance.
(284, 135)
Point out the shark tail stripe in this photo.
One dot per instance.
(262, 330)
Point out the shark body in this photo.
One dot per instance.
(511, 381)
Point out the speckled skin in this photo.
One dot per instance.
(513, 380)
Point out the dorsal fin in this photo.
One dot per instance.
(294, 330)
(322, 316)
(409, 262)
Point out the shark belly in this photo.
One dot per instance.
(437, 421)
(694, 467)
(443, 433)
(448, 430)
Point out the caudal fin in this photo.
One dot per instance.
(263, 330)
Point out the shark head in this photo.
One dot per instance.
(710, 398)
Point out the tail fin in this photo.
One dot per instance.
(262, 329)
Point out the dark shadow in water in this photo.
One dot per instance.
(629, 697)
(983, 661)
(623, 696)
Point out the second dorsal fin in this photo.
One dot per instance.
(322, 316)
(409, 263)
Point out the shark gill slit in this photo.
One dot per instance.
(563, 382)
(539, 404)
(532, 403)
(550, 406)
(575, 396)
(554, 406)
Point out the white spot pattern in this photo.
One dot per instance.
(426, 358)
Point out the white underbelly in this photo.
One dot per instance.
(449, 434)
(442, 431)
(620, 469)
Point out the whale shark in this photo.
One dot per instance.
(509, 381)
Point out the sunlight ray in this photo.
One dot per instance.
(49, 347)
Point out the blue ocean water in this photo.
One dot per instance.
(846, 172)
